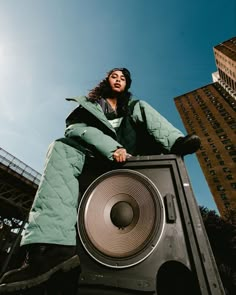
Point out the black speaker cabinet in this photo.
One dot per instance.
(140, 232)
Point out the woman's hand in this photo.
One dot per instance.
(120, 155)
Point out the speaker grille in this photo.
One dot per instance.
(134, 201)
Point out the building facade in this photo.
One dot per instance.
(225, 57)
(209, 112)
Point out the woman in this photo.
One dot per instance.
(110, 125)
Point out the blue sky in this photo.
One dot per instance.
(52, 49)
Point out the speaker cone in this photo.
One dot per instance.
(121, 218)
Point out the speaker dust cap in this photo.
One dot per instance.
(121, 218)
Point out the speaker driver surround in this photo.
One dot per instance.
(121, 218)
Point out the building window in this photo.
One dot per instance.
(223, 136)
(227, 204)
(233, 126)
(223, 197)
(226, 141)
(228, 118)
(229, 147)
(233, 184)
(215, 179)
(232, 153)
(213, 145)
(206, 159)
(220, 188)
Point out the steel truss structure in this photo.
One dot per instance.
(18, 184)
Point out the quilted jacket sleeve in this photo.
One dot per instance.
(94, 138)
(157, 126)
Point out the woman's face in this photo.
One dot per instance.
(117, 81)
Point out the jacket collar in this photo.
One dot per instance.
(93, 108)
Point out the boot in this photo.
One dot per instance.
(186, 145)
(42, 261)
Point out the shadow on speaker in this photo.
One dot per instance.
(175, 278)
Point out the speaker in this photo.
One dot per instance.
(140, 231)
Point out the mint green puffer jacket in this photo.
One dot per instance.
(96, 132)
(53, 216)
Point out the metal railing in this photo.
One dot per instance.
(19, 167)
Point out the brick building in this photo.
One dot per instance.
(209, 112)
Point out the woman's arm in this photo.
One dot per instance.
(157, 126)
(94, 138)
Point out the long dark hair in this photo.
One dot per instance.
(103, 90)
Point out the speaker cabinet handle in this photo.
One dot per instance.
(170, 208)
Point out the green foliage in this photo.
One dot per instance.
(222, 236)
